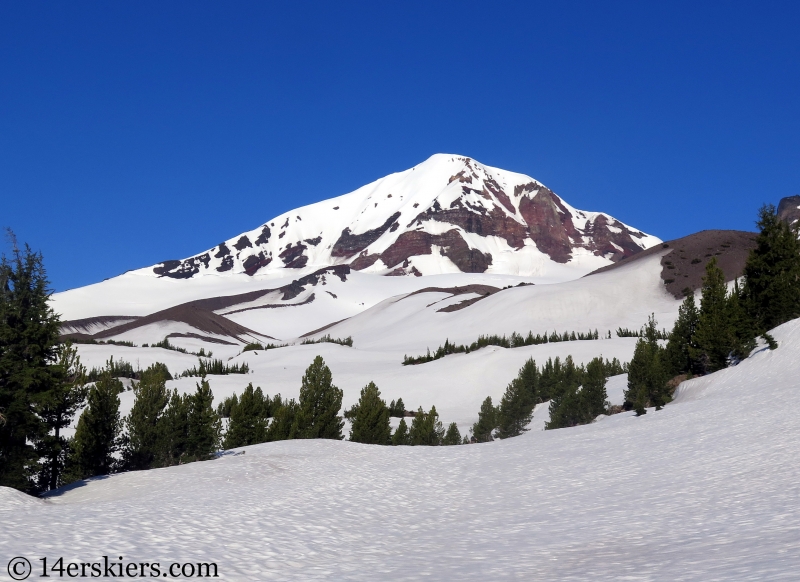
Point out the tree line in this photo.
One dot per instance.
(515, 340)
(347, 341)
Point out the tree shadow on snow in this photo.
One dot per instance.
(67, 488)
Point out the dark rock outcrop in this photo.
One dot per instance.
(255, 262)
(415, 243)
(243, 243)
(789, 209)
(263, 238)
(350, 244)
(182, 269)
(293, 257)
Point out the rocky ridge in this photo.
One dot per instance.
(448, 214)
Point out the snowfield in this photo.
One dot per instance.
(409, 324)
(707, 489)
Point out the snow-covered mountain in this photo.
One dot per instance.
(448, 214)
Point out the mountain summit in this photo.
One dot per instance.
(448, 214)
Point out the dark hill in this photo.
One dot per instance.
(684, 263)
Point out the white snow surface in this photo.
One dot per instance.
(706, 489)
(622, 297)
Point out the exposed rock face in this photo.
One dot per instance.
(789, 209)
(350, 244)
(684, 260)
(293, 256)
(417, 243)
(449, 206)
(183, 269)
(243, 243)
(254, 262)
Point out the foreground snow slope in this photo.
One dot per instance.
(706, 489)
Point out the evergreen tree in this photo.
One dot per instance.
(562, 383)
(248, 419)
(284, 425)
(771, 293)
(57, 410)
(320, 402)
(593, 392)
(452, 436)
(550, 379)
(742, 330)
(96, 437)
(516, 408)
(487, 422)
(401, 436)
(204, 425)
(681, 344)
(28, 344)
(174, 431)
(713, 334)
(565, 409)
(371, 418)
(528, 377)
(647, 372)
(397, 409)
(426, 428)
(144, 423)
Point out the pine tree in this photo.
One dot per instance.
(96, 437)
(144, 423)
(320, 402)
(565, 409)
(371, 418)
(426, 428)
(593, 392)
(283, 426)
(204, 426)
(248, 419)
(550, 379)
(742, 328)
(681, 346)
(713, 335)
(28, 345)
(174, 431)
(57, 410)
(452, 436)
(647, 372)
(397, 409)
(401, 436)
(516, 409)
(528, 377)
(771, 293)
(487, 422)
(562, 383)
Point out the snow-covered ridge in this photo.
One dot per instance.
(448, 214)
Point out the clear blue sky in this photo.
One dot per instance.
(134, 132)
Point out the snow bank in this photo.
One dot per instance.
(706, 489)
